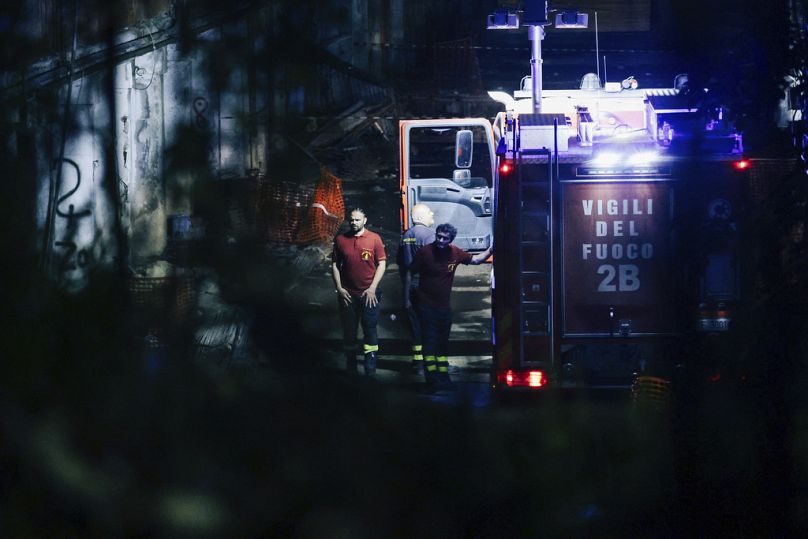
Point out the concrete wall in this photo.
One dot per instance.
(71, 199)
(141, 133)
(164, 105)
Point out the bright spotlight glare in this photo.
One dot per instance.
(606, 159)
(642, 158)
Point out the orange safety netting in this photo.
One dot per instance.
(281, 208)
(650, 391)
(289, 213)
(325, 213)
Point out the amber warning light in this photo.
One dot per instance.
(743, 164)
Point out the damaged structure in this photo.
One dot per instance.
(145, 137)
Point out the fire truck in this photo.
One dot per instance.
(615, 215)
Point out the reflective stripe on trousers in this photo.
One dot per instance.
(443, 364)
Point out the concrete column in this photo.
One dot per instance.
(361, 34)
(147, 189)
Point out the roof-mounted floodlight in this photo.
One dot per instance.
(535, 17)
(571, 19)
(503, 20)
(535, 13)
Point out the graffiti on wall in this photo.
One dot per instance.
(200, 105)
(201, 111)
(73, 225)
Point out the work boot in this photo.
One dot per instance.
(370, 364)
(417, 360)
(430, 372)
(350, 363)
(444, 380)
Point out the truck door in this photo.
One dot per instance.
(449, 165)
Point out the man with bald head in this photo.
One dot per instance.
(412, 240)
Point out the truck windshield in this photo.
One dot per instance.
(432, 155)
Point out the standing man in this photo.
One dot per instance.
(436, 264)
(357, 265)
(413, 239)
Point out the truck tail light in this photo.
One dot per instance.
(512, 378)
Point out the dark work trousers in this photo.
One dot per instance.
(415, 330)
(412, 316)
(354, 314)
(436, 325)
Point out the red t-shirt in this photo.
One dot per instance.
(357, 258)
(437, 269)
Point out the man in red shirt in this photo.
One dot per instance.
(436, 264)
(358, 262)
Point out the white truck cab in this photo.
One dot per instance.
(450, 165)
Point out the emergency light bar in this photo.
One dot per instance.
(622, 170)
(624, 159)
(642, 158)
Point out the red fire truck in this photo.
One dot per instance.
(614, 212)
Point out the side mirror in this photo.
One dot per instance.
(464, 145)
